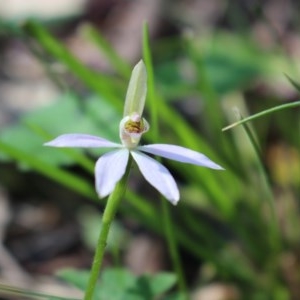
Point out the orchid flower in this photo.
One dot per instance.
(111, 166)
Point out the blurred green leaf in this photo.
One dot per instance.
(117, 282)
(77, 278)
(63, 177)
(234, 66)
(99, 40)
(122, 284)
(101, 84)
(161, 283)
(226, 68)
(66, 115)
(91, 222)
(226, 72)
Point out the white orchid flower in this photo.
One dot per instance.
(111, 166)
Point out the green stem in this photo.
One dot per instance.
(108, 216)
(168, 225)
(151, 85)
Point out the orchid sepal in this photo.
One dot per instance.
(109, 169)
(157, 175)
(180, 154)
(82, 141)
(137, 90)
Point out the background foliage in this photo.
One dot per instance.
(239, 227)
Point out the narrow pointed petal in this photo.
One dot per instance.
(180, 154)
(109, 169)
(81, 140)
(157, 175)
(137, 89)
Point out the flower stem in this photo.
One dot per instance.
(108, 216)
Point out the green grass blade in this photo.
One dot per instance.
(122, 67)
(65, 178)
(263, 113)
(274, 227)
(213, 113)
(99, 83)
(152, 98)
(6, 290)
(295, 84)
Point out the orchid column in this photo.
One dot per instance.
(112, 169)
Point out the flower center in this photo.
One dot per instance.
(131, 129)
(134, 127)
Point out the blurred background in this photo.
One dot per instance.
(64, 68)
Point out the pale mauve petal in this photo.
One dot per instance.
(157, 175)
(109, 169)
(180, 154)
(81, 140)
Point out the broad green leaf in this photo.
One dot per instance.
(161, 283)
(77, 278)
(231, 67)
(121, 284)
(116, 283)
